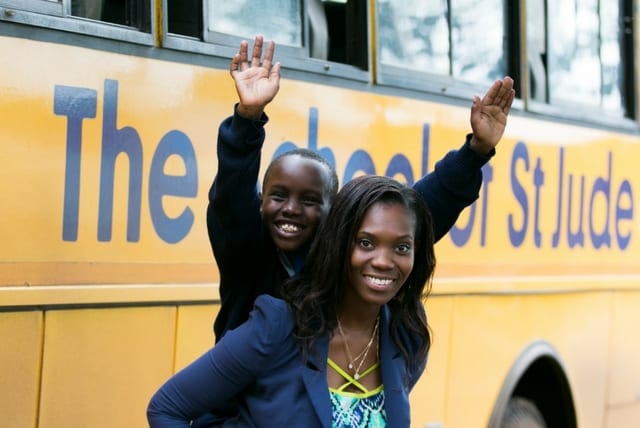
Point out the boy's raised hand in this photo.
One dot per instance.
(257, 79)
(489, 115)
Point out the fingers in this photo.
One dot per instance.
(268, 55)
(505, 93)
(257, 52)
(500, 94)
(235, 64)
(511, 93)
(274, 74)
(240, 61)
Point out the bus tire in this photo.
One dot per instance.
(522, 413)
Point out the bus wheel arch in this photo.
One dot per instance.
(535, 386)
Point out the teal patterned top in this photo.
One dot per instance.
(356, 410)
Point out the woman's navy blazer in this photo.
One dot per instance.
(261, 362)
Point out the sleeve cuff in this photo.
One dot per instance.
(472, 156)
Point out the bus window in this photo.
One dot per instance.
(184, 17)
(278, 20)
(127, 20)
(131, 13)
(537, 50)
(446, 38)
(51, 7)
(327, 30)
(347, 32)
(584, 64)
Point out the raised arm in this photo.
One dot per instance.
(233, 197)
(455, 182)
(234, 223)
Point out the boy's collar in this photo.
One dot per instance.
(292, 261)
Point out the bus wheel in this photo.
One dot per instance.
(522, 413)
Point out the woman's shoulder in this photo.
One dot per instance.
(274, 315)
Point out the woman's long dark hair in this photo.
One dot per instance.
(315, 294)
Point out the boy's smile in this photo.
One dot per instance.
(295, 199)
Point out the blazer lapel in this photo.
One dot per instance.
(396, 402)
(314, 375)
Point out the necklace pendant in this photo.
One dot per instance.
(350, 366)
(356, 376)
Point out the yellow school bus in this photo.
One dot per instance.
(108, 119)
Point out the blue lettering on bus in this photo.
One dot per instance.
(575, 210)
(517, 235)
(624, 213)
(538, 182)
(555, 239)
(174, 143)
(115, 142)
(579, 203)
(312, 141)
(78, 104)
(460, 235)
(602, 186)
(360, 161)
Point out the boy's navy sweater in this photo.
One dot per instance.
(247, 258)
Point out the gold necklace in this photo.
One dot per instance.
(362, 356)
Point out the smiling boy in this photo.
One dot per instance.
(260, 239)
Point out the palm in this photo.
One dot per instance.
(254, 86)
(489, 114)
(257, 79)
(489, 123)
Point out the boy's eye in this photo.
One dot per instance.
(312, 201)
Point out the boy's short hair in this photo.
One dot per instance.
(332, 185)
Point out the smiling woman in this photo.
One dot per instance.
(361, 289)
(106, 269)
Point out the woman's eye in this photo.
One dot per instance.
(404, 248)
(365, 243)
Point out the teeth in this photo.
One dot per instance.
(290, 228)
(379, 281)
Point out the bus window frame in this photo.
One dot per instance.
(422, 81)
(446, 85)
(427, 83)
(56, 15)
(291, 58)
(225, 39)
(39, 6)
(566, 111)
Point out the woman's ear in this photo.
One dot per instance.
(260, 197)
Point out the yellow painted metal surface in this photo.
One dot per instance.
(430, 395)
(194, 332)
(100, 366)
(625, 345)
(625, 416)
(554, 194)
(491, 331)
(548, 252)
(20, 361)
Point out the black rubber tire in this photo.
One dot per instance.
(522, 413)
